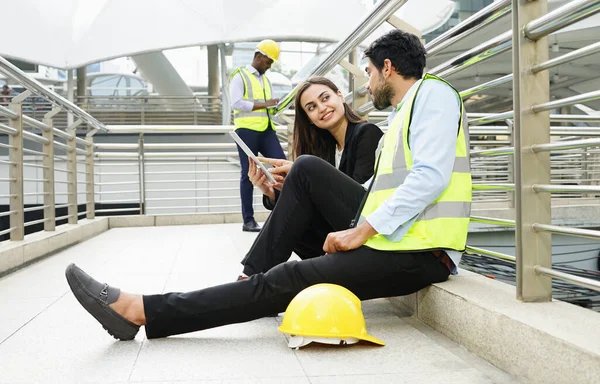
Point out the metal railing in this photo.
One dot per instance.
(511, 165)
(35, 88)
(531, 148)
(135, 110)
(181, 177)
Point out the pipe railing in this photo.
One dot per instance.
(36, 87)
(469, 26)
(382, 11)
(560, 18)
(58, 147)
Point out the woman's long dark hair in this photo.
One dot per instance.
(309, 139)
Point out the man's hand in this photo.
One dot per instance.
(265, 104)
(349, 239)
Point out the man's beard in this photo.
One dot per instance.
(382, 96)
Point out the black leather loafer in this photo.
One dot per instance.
(251, 226)
(96, 297)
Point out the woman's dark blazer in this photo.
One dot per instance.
(358, 158)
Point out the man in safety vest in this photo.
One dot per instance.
(251, 98)
(401, 231)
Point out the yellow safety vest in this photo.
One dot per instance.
(444, 223)
(257, 120)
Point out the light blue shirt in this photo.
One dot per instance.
(236, 90)
(432, 140)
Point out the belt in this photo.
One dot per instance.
(443, 257)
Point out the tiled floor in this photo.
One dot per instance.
(46, 337)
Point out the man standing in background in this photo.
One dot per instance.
(251, 99)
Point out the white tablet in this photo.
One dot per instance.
(248, 152)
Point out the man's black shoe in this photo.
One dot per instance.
(251, 226)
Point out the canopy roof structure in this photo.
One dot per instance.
(69, 34)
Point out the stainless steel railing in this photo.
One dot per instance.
(178, 177)
(383, 11)
(34, 87)
(41, 169)
(135, 110)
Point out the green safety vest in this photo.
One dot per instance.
(444, 223)
(257, 120)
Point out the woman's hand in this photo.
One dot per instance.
(282, 168)
(259, 180)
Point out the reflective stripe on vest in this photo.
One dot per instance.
(257, 120)
(444, 223)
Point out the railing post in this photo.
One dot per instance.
(532, 248)
(290, 140)
(359, 79)
(353, 59)
(48, 163)
(72, 178)
(358, 101)
(89, 179)
(511, 163)
(17, 217)
(142, 174)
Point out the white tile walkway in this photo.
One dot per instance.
(46, 337)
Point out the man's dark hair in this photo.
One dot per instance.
(403, 49)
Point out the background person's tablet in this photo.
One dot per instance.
(245, 148)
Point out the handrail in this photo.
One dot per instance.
(8, 113)
(477, 55)
(35, 86)
(485, 86)
(583, 98)
(33, 137)
(574, 55)
(553, 21)
(493, 221)
(492, 117)
(8, 130)
(150, 97)
(35, 123)
(177, 128)
(566, 145)
(561, 17)
(577, 280)
(382, 11)
(487, 252)
(477, 21)
(553, 188)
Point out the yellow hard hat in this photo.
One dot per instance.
(269, 48)
(325, 313)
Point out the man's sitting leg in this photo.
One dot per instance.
(366, 272)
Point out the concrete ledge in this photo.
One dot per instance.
(193, 219)
(15, 254)
(553, 342)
